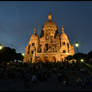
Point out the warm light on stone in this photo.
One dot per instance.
(73, 60)
(67, 53)
(51, 46)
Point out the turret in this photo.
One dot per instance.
(62, 28)
(35, 30)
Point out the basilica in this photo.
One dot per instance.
(50, 46)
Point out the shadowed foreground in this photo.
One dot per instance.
(45, 76)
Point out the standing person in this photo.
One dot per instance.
(33, 80)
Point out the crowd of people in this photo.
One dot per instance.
(76, 75)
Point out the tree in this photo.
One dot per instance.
(90, 54)
(8, 54)
(69, 57)
(79, 56)
(89, 57)
(19, 56)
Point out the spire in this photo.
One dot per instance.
(62, 28)
(50, 16)
(35, 30)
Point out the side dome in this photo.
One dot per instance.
(34, 36)
(63, 34)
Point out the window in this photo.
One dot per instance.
(64, 51)
(28, 49)
(32, 52)
(63, 43)
(46, 47)
(68, 45)
(53, 49)
(33, 44)
(40, 50)
(51, 39)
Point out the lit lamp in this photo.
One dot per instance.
(82, 60)
(1, 47)
(77, 46)
(23, 54)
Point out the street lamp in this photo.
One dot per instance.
(1, 47)
(77, 46)
(82, 60)
(23, 54)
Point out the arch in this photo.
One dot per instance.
(33, 44)
(63, 43)
(64, 51)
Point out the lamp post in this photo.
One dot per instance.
(77, 46)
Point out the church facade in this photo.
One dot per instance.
(50, 46)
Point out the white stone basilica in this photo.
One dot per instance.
(50, 46)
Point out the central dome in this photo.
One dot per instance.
(49, 24)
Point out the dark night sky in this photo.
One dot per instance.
(18, 19)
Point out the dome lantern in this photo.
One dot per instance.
(50, 17)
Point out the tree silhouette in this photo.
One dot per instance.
(89, 57)
(79, 56)
(69, 57)
(90, 54)
(8, 54)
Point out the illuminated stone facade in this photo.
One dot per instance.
(51, 46)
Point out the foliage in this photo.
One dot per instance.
(90, 54)
(79, 56)
(69, 57)
(8, 54)
(19, 56)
